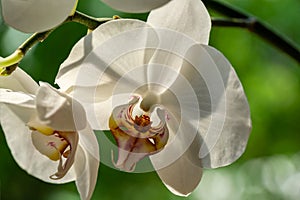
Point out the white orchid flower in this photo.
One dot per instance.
(47, 133)
(163, 93)
(135, 6)
(36, 15)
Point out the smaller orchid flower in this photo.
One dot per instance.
(36, 16)
(47, 133)
(135, 6)
(163, 93)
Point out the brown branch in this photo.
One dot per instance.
(242, 20)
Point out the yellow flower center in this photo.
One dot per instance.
(142, 123)
(46, 130)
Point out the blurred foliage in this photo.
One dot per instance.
(271, 80)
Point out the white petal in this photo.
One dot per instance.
(183, 137)
(181, 103)
(113, 40)
(189, 17)
(16, 98)
(36, 15)
(178, 164)
(86, 167)
(59, 111)
(111, 60)
(87, 163)
(163, 73)
(177, 34)
(99, 114)
(88, 142)
(19, 81)
(182, 175)
(18, 138)
(22, 105)
(135, 6)
(224, 111)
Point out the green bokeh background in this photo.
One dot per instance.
(270, 167)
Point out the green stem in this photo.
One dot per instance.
(34, 39)
(9, 63)
(90, 22)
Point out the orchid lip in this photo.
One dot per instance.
(72, 138)
(56, 145)
(135, 136)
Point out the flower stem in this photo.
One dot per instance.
(90, 22)
(7, 65)
(242, 20)
(32, 40)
